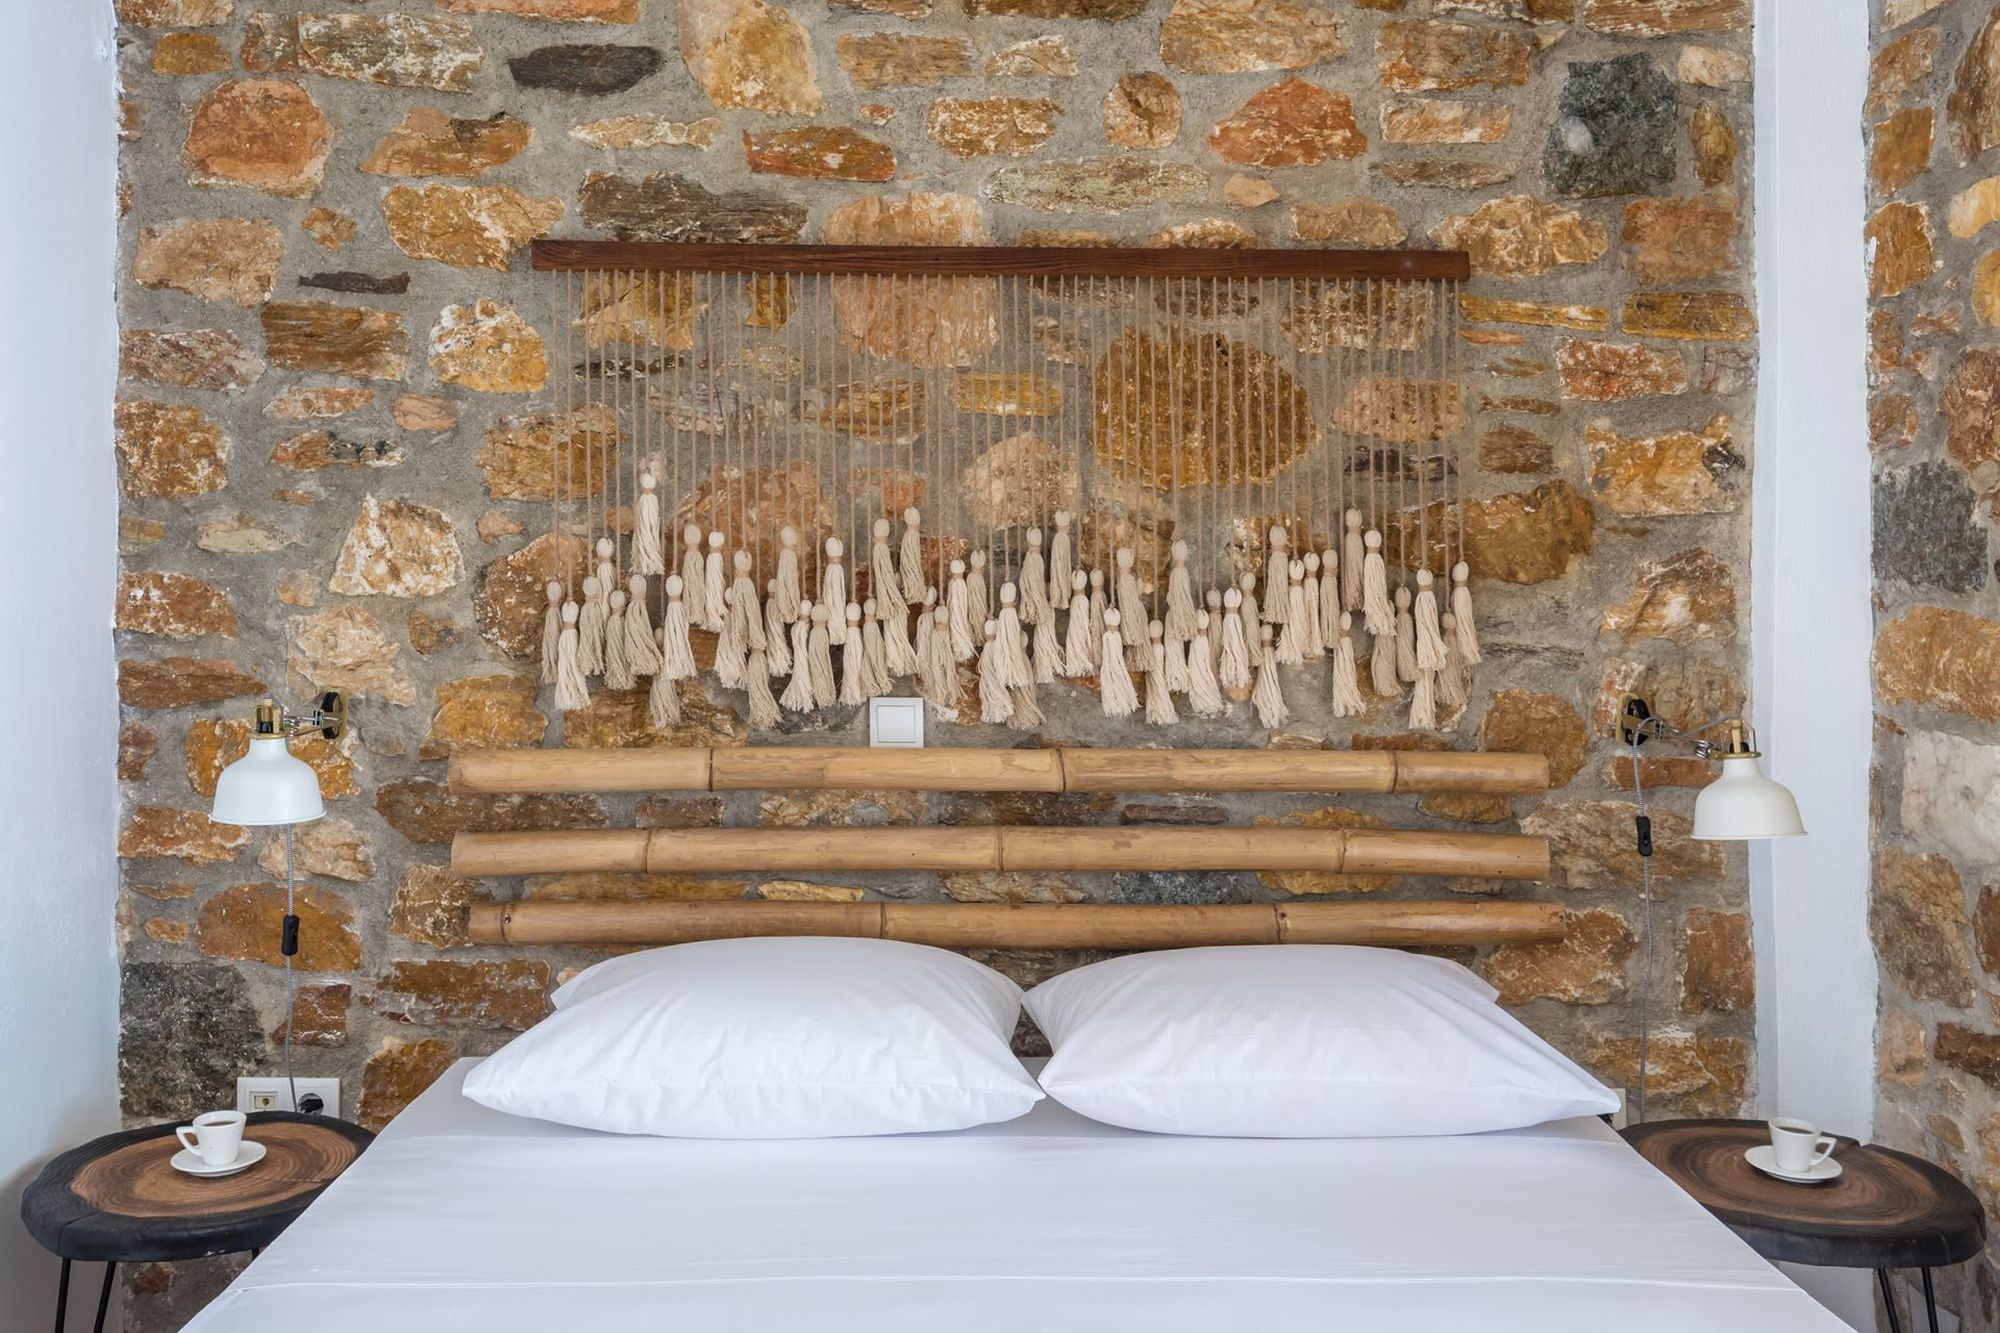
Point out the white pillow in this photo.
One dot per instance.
(770, 1039)
(1298, 1041)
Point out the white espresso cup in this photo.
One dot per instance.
(1797, 1146)
(215, 1136)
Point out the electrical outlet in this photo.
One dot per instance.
(275, 1094)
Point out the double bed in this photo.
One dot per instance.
(460, 1217)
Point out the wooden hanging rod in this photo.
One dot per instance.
(1036, 926)
(1063, 769)
(1013, 848)
(990, 261)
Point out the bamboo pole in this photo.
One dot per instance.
(1032, 926)
(697, 851)
(823, 768)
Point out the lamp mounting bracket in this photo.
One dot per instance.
(328, 717)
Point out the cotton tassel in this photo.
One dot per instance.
(1329, 597)
(1251, 619)
(1430, 643)
(786, 589)
(958, 607)
(732, 649)
(1233, 668)
(899, 658)
(1048, 653)
(853, 660)
(1159, 699)
(940, 670)
(618, 673)
(911, 557)
(1179, 620)
(1027, 709)
(663, 703)
(1214, 598)
(1423, 702)
(1174, 663)
(882, 582)
(1062, 562)
(1114, 682)
(1352, 561)
(996, 704)
(1461, 610)
(676, 652)
(743, 602)
(1131, 608)
(1015, 667)
(1406, 638)
(833, 590)
(1312, 640)
(875, 678)
(572, 690)
(552, 628)
(777, 652)
(693, 578)
(1376, 613)
(1267, 698)
(642, 645)
(1291, 649)
(590, 629)
(819, 657)
(649, 538)
(1277, 608)
(1079, 649)
(1451, 676)
(1098, 606)
(978, 596)
(1033, 582)
(1204, 693)
(1382, 667)
(926, 626)
(798, 695)
(763, 705)
(714, 608)
(1347, 700)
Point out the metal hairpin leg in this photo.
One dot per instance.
(1930, 1301)
(1889, 1300)
(62, 1297)
(104, 1296)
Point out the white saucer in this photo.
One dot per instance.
(191, 1164)
(1761, 1158)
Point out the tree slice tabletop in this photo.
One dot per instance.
(1886, 1209)
(116, 1198)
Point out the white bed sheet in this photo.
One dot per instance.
(463, 1218)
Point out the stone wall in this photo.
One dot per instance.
(1933, 119)
(330, 335)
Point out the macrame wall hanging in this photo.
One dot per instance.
(1185, 480)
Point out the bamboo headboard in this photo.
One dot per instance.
(1007, 848)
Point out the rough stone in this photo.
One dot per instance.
(1714, 144)
(647, 131)
(1682, 240)
(1684, 598)
(1097, 185)
(1104, 11)
(335, 339)
(419, 412)
(1361, 223)
(184, 1031)
(1532, 314)
(484, 712)
(317, 449)
(432, 906)
(397, 548)
(425, 811)
(1917, 920)
(1005, 394)
(1515, 449)
(588, 69)
(478, 226)
(184, 835)
(1614, 130)
(431, 635)
(1591, 847)
(487, 346)
(950, 323)
(511, 996)
(1045, 57)
(1244, 36)
(1680, 472)
(176, 682)
(1970, 406)
(1977, 1053)
(1432, 56)
(1587, 966)
(170, 451)
(211, 359)
(986, 126)
(669, 207)
(822, 153)
(509, 601)
(216, 259)
(175, 13)
(1899, 67)
(1901, 1052)
(1605, 372)
(432, 143)
(1666, 18)
(1974, 105)
(173, 606)
(267, 134)
(1523, 537)
(396, 1074)
(332, 848)
(1941, 658)
(880, 60)
(1687, 1074)
(563, 11)
(1900, 249)
(1926, 532)
(1011, 887)
(520, 455)
(1436, 121)
(317, 401)
(189, 53)
(318, 1016)
(1519, 236)
(396, 50)
(749, 54)
(1948, 785)
(330, 229)
(1691, 316)
(1243, 191)
(1902, 149)
(616, 719)
(344, 649)
(1292, 123)
(213, 744)
(1145, 394)
(137, 744)
(1546, 724)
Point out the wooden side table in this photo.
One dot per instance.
(116, 1200)
(1886, 1210)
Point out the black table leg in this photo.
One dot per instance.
(1889, 1300)
(62, 1296)
(104, 1296)
(1930, 1301)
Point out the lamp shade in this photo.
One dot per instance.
(1742, 803)
(267, 786)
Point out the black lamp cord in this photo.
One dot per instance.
(1643, 825)
(288, 945)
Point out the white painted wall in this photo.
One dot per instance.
(1810, 584)
(58, 548)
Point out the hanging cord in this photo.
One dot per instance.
(1643, 827)
(288, 945)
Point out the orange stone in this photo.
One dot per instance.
(1244, 36)
(170, 451)
(1486, 310)
(1680, 472)
(431, 143)
(1900, 67)
(1361, 223)
(1524, 537)
(267, 134)
(335, 339)
(1143, 110)
(329, 228)
(175, 13)
(748, 54)
(1900, 250)
(1720, 971)
(1696, 1074)
(488, 347)
(175, 682)
(1145, 393)
(331, 848)
(1519, 236)
(1664, 18)
(419, 412)
(509, 601)
(318, 1016)
(521, 455)
(315, 449)
(1714, 145)
(213, 359)
(897, 60)
(425, 811)
(1591, 847)
(484, 712)
(397, 548)
(1313, 883)
(1290, 124)
(1587, 966)
(186, 835)
(1702, 316)
(1431, 56)
(1546, 724)
(831, 152)
(466, 226)
(563, 11)
(187, 53)
(317, 401)
(1444, 122)
(343, 648)
(432, 906)
(1941, 658)
(647, 131)
(510, 996)
(950, 322)
(1684, 598)
(1682, 240)
(1609, 372)
(216, 259)
(990, 126)
(396, 1074)
(174, 606)
(137, 744)
(616, 719)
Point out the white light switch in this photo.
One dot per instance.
(896, 722)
